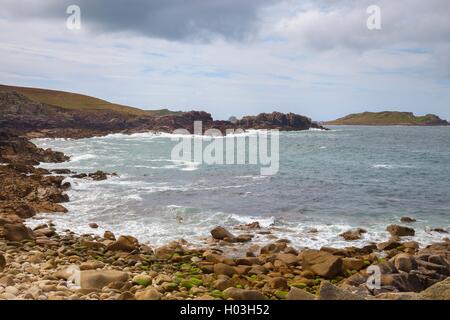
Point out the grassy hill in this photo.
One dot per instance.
(389, 118)
(80, 102)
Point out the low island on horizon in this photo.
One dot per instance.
(389, 118)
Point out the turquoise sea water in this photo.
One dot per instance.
(329, 180)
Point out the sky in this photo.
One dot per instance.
(232, 58)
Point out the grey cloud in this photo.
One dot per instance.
(168, 19)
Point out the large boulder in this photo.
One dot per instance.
(220, 233)
(93, 279)
(405, 262)
(321, 263)
(17, 232)
(124, 243)
(400, 231)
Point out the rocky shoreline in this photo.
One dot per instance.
(41, 264)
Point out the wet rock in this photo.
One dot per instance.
(93, 225)
(124, 243)
(109, 235)
(321, 263)
(400, 231)
(440, 230)
(407, 220)
(91, 265)
(299, 294)
(220, 233)
(243, 294)
(249, 226)
(354, 234)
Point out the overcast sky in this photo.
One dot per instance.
(235, 57)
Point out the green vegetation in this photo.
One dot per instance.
(75, 101)
(388, 118)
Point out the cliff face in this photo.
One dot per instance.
(20, 115)
(390, 118)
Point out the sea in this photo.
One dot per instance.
(328, 182)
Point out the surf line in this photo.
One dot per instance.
(261, 148)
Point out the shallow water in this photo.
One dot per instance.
(329, 180)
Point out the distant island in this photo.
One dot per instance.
(389, 118)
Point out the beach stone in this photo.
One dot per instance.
(405, 262)
(12, 290)
(6, 281)
(248, 261)
(270, 248)
(17, 232)
(91, 279)
(388, 245)
(407, 220)
(243, 294)
(321, 263)
(400, 231)
(93, 225)
(127, 295)
(278, 283)
(124, 243)
(165, 252)
(223, 284)
(353, 234)
(2, 262)
(220, 233)
(328, 291)
(142, 280)
(148, 294)
(438, 291)
(299, 294)
(91, 265)
(352, 264)
(222, 268)
(288, 258)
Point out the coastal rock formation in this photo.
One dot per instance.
(36, 119)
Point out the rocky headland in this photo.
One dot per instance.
(32, 118)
